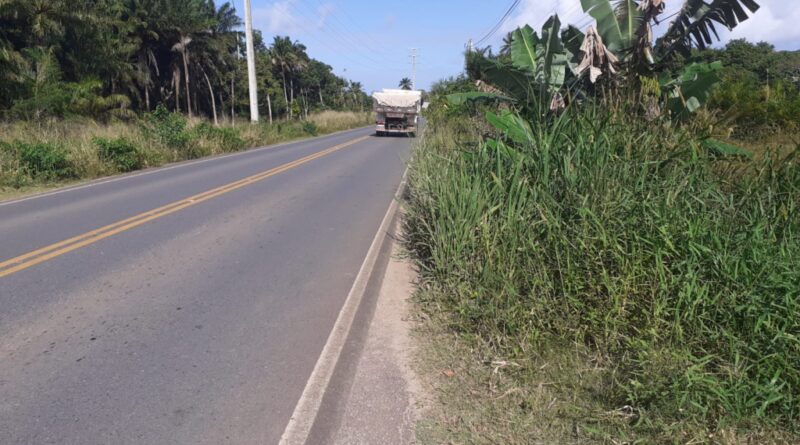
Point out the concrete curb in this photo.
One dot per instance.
(305, 413)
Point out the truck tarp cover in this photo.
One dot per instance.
(397, 98)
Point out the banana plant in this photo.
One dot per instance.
(698, 20)
(618, 24)
(687, 92)
(537, 73)
(626, 27)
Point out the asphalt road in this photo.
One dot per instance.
(199, 323)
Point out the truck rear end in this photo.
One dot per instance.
(397, 111)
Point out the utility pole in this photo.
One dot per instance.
(251, 61)
(413, 68)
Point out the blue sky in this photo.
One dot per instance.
(371, 41)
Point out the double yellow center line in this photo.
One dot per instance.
(38, 256)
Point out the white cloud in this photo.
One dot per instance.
(324, 11)
(777, 22)
(285, 17)
(536, 12)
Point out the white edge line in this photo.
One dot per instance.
(150, 171)
(307, 408)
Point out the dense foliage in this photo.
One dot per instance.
(109, 58)
(669, 268)
(572, 208)
(759, 92)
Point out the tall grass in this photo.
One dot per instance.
(84, 149)
(673, 271)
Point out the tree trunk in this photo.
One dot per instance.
(321, 101)
(269, 107)
(186, 77)
(176, 82)
(291, 98)
(305, 103)
(213, 101)
(233, 102)
(147, 98)
(285, 90)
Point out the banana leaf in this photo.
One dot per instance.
(476, 96)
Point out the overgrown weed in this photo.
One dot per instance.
(628, 245)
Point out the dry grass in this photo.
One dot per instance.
(76, 140)
(332, 121)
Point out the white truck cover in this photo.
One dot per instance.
(397, 98)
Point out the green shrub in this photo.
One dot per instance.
(310, 128)
(675, 267)
(10, 173)
(119, 152)
(167, 128)
(44, 160)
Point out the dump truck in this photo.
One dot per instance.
(397, 111)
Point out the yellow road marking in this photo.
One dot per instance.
(38, 256)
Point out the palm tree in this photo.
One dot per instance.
(291, 57)
(146, 31)
(505, 50)
(282, 51)
(405, 84)
(212, 49)
(357, 93)
(187, 19)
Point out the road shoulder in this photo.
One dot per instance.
(385, 396)
(374, 395)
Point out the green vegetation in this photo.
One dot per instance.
(598, 264)
(667, 271)
(120, 153)
(759, 95)
(91, 88)
(35, 154)
(405, 84)
(111, 58)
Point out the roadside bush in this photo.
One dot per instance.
(167, 128)
(119, 152)
(10, 173)
(754, 111)
(310, 128)
(43, 160)
(674, 269)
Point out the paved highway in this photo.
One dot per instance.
(188, 304)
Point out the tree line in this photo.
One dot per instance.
(114, 58)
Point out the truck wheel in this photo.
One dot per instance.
(413, 134)
(379, 133)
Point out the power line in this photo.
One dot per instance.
(349, 32)
(333, 47)
(500, 23)
(348, 40)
